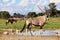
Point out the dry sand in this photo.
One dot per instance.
(16, 37)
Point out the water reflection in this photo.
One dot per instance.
(41, 33)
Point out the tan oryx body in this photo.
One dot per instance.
(37, 21)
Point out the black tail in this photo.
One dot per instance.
(23, 27)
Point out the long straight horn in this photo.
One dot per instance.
(40, 8)
(46, 10)
(23, 27)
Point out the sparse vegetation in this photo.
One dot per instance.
(53, 23)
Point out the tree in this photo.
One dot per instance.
(58, 13)
(7, 15)
(15, 15)
(31, 14)
(20, 15)
(52, 9)
(40, 14)
(4, 14)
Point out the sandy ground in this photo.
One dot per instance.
(16, 37)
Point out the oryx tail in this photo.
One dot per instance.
(23, 27)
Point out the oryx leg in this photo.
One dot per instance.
(29, 27)
(41, 25)
(27, 24)
(7, 22)
(11, 22)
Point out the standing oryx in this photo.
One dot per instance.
(36, 21)
(11, 20)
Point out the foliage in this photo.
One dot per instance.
(18, 15)
(31, 14)
(40, 14)
(4, 14)
(15, 15)
(53, 9)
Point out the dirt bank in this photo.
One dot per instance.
(16, 37)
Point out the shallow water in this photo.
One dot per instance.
(40, 33)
